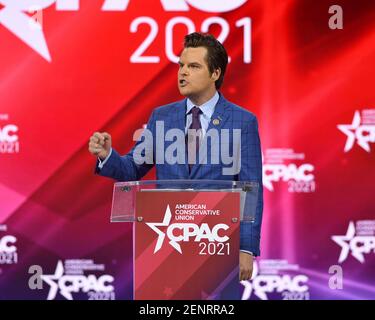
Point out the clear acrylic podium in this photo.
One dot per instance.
(186, 235)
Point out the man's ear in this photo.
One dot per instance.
(216, 74)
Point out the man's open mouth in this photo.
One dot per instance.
(183, 82)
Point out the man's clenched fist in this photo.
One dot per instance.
(100, 144)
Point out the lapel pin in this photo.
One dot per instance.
(216, 122)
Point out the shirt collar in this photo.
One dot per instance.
(207, 108)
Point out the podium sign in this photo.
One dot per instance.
(186, 235)
(186, 245)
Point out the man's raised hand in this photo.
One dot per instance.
(100, 144)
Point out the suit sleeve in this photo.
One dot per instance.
(251, 170)
(128, 167)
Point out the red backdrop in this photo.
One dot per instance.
(303, 80)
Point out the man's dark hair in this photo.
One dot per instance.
(217, 57)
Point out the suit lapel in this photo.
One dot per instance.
(179, 122)
(219, 117)
(178, 117)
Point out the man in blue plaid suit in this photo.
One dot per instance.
(202, 67)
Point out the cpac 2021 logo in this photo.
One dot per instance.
(361, 131)
(9, 140)
(277, 167)
(66, 283)
(357, 241)
(186, 232)
(8, 250)
(271, 284)
(14, 15)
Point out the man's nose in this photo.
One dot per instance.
(184, 71)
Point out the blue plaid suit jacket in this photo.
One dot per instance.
(229, 116)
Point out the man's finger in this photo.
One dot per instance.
(97, 150)
(94, 139)
(95, 147)
(242, 275)
(93, 144)
(99, 136)
(247, 275)
(106, 135)
(93, 150)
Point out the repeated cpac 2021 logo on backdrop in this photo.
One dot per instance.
(358, 242)
(74, 279)
(15, 15)
(286, 166)
(276, 279)
(9, 140)
(361, 132)
(8, 247)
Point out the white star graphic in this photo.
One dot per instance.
(49, 279)
(349, 130)
(354, 132)
(344, 242)
(14, 18)
(154, 226)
